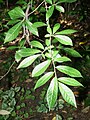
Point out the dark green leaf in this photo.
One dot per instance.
(72, 52)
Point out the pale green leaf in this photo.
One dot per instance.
(56, 27)
(32, 28)
(72, 52)
(69, 81)
(40, 69)
(67, 94)
(49, 12)
(39, 24)
(64, 39)
(43, 79)
(17, 12)
(13, 32)
(52, 93)
(17, 57)
(69, 71)
(66, 32)
(49, 30)
(37, 44)
(61, 59)
(59, 8)
(4, 112)
(28, 61)
(47, 42)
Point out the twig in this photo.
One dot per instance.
(36, 8)
(7, 71)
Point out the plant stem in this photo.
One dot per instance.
(36, 8)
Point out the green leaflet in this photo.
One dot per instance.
(37, 44)
(32, 28)
(27, 52)
(39, 24)
(13, 32)
(67, 1)
(49, 12)
(64, 39)
(67, 94)
(66, 32)
(40, 69)
(28, 61)
(44, 79)
(69, 81)
(52, 93)
(72, 52)
(17, 12)
(56, 27)
(61, 59)
(69, 71)
(49, 1)
(59, 8)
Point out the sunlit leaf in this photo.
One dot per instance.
(43, 79)
(27, 52)
(61, 59)
(67, 1)
(49, 12)
(28, 61)
(49, 1)
(13, 32)
(52, 93)
(40, 69)
(56, 27)
(69, 71)
(39, 24)
(69, 81)
(64, 39)
(59, 8)
(17, 12)
(66, 32)
(67, 94)
(37, 44)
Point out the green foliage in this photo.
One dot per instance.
(44, 49)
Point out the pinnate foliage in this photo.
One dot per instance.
(46, 50)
